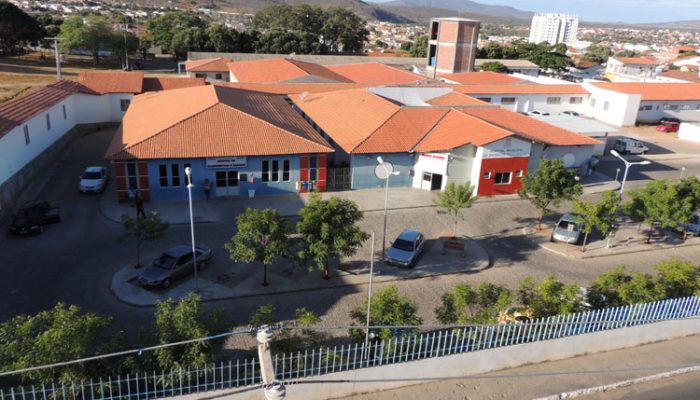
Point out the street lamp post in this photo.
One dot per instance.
(682, 172)
(627, 167)
(188, 172)
(383, 171)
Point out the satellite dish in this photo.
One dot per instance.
(382, 171)
(569, 160)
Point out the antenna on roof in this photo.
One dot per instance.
(292, 54)
(303, 95)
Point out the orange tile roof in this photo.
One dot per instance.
(112, 82)
(168, 83)
(656, 91)
(402, 131)
(457, 129)
(348, 116)
(637, 60)
(292, 88)
(530, 128)
(375, 74)
(456, 99)
(482, 78)
(212, 121)
(208, 65)
(16, 111)
(282, 70)
(520, 89)
(687, 76)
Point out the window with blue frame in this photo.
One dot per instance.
(163, 175)
(175, 175)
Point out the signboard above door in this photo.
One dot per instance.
(226, 162)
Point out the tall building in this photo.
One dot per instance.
(553, 28)
(452, 45)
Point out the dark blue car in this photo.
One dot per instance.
(406, 249)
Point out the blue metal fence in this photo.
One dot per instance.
(290, 367)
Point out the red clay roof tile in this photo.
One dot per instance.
(208, 65)
(457, 129)
(112, 82)
(375, 74)
(168, 83)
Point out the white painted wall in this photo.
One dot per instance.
(15, 153)
(476, 169)
(95, 109)
(211, 76)
(573, 156)
(435, 163)
(651, 112)
(689, 132)
(614, 108)
(529, 102)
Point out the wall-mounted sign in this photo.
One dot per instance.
(506, 148)
(226, 162)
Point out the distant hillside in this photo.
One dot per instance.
(465, 6)
(692, 25)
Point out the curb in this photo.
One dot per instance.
(621, 384)
(488, 264)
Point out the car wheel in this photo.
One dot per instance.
(201, 265)
(166, 283)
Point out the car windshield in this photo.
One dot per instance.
(402, 244)
(165, 261)
(695, 220)
(567, 226)
(92, 175)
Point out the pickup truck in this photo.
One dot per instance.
(32, 217)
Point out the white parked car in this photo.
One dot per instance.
(538, 112)
(630, 146)
(567, 230)
(94, 180)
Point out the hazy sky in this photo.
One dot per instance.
(611, 10)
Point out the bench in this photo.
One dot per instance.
(452, 244)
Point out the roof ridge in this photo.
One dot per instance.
(386, 121)
(273, 125)
(422, 139)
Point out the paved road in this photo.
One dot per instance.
(682, 387)
(74, 261)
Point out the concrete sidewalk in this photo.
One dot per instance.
(628, 239)
(556, 377)
(244, 279)
(226, 209)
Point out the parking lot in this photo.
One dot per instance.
(74, 261)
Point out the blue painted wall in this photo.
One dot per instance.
(200, 172)
(363, 170)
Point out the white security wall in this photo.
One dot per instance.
(689, 132)
(650, 112)
(529, 102)
(95, 109)
(573, 156)
(614, 108)
(15, 153)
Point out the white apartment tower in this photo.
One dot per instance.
(553, 28)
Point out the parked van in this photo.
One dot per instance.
(630, 146)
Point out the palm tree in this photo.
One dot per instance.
(454, 199)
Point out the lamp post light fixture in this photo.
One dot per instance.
(188, 172)
(627, 167)
(384, 170)
(682, 172)
(617, 173)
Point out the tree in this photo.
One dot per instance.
(63, 333)
(262, 235)
(16, 28)
(91, 33)
(466, 305)
(277, 41)
(343, 30)
(179, 321)
(329, 230)
(493, 66)
(551, 297)
(223, 39)
(419, 48)
(601, 215)
(678, 278)
(641, 288)
(264, 315)
(454, 199)
(628, 53)
(550, 185)
(143, 229)
(188, 39)
(597, 53)
(163, 29)
(388, 308)
(663, 202)
(604, 292)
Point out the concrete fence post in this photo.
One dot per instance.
(274, 390)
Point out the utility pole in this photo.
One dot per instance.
(126, 51)
(58, 57)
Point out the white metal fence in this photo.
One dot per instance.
(290, 367)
